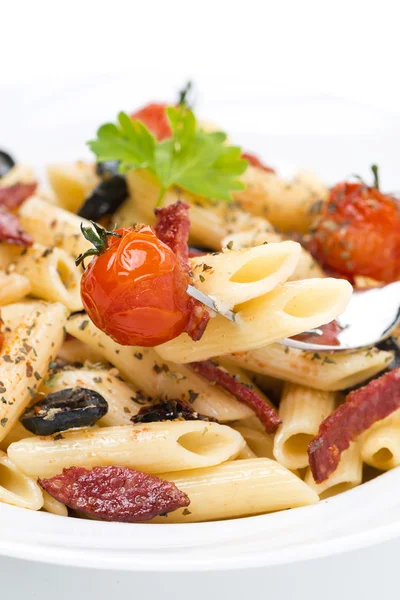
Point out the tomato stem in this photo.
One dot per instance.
(375, 171)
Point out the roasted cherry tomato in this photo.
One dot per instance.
(154, 116)
(358, 233)
(134, 289)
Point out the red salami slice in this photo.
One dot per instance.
(115, 493)
(329, 336)
(362, 408)
(256, 162)
(214, 373)
(172, 227)
(14, 195)
(10, 229)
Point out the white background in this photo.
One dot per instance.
(280, 48)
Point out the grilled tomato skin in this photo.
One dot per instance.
(135, 291)
(358, 233)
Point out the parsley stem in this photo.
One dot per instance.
(161, 196)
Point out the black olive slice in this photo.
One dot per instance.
(72, 407)
(105, 199)
(6, 163)
(107, 168)
(391, 344)
(170, 410)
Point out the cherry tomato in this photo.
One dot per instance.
(256, 162)
(135, 290)
(358, 233)
(154, 116)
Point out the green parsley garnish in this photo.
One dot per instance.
(192, 159)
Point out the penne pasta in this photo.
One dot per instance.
(8, 254)
(347, 475)
(237, 489)
(301, 410)
(306, 268)
(72, 183)
(380, 445)
(25, 358)
(16, 488)
(321, 370)
(286, 311)
(13, 314)
(148, 447)
(210, 222)
(51, 226)
(289, 206)
(260, 443)
(245, 453)
(154, 377)
(52, 274)
(51, 505)
(128, 214)
(18, 432)
(18, 174)
(75, 351)
(13, 287)
(238, 276)
(119, 395)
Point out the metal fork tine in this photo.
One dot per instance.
(209, 302)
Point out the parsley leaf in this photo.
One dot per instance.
(197, 161)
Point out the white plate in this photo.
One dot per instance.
(49, 123)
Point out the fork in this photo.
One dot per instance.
(369, 318)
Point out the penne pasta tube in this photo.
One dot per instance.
(306, 268)
(245, 453)
(322, 370)
(75, 351)
(25, 358)
(8, 254)
(52, 274)
(260, 443)
(128, 215)
(16, 488)
(50, 226)
(238, 276)
(18, 174)
(72, 183)
(119, 395)
(148, 447)
(301, 410)
(154, 377)
(347, 475)
(14, 314)
(237, 489)
(380, 445)
(286, 311)
(289, 206)
(210, 222)
(13, 287)
(18, 432)
(250, 423)
(51, 505)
